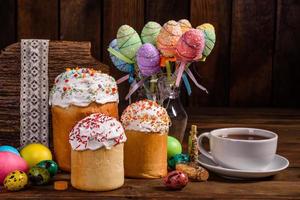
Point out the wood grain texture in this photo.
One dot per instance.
(62, 54)
(81, 20)
(8, 31)
(163, 11)
(286, 71)
(213, 73)
(117, 13)
(251, 52)
(38, 19)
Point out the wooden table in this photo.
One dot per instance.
(286, 185)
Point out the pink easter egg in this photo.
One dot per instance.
(190, 45)
(10, 162)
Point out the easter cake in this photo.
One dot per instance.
(76, 94)
(145, 153)
(97, 153)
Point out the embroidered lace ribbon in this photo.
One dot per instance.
(34, 92)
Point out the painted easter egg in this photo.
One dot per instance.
(150, 32)
(9, 149)
(178, 158)
(128, 41)
(49, 165)
(38, 176)
(190, 46)
(148, 60)
(35, 153)
(176, 180)
(168, 38)
(185, 25)
(210, 38)
(15, 181)
(10, 162)
(118, 63)
(173, 147)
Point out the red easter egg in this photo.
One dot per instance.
(190, 45)
(176, 180)
(10, 162)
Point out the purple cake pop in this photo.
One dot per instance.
(148, 60)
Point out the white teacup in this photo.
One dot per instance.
(240, 153)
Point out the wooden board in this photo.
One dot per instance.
(285, 185)
(62, 54)
(252, 41)
(286, 70)
(117, 13)
(38, 19)
(81, 20)
(8, 31)
(213, 73)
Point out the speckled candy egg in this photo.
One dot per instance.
(49, 165)
(38, 176)
(128, 41)
(15, 180)
(176, 180)
(178, 158)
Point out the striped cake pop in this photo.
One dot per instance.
(148, 60)
(190, 45)
(128, 41)
(185, 25)
(210, 38)
(118, 63)
(168, 37)
(150, 32)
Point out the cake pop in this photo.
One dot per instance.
(150, 32)
(128, 41)
(185, 25)
(148, 60)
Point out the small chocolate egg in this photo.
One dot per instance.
(178, 158)
(15, 181)
(128, 41)
(176, 180)
(150, 32)
(49, 165)
(38, 175)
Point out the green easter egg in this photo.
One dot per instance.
(49, 165)
(128, 41)
(210, 37)
(150, 32)
(178, 158)
(173, 147)
(38, 175)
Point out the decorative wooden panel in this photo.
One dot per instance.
(62, 54)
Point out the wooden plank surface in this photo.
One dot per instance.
(8, 31)
(80, 20)
(38, 19)
(286, 71)
(252, 40)
(213, 73)
(285, 185)
(62, 54)
(117, 13)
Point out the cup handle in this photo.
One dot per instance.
(201, 149)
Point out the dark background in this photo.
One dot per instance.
(255, 61)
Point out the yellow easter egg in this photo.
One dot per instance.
(35, 153)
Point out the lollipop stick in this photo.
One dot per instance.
(153, 83)
(168, 68)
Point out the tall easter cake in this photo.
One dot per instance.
(76, 94)
(146, 125)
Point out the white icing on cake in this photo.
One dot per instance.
(96, 131)
(146, 116)
(82, 86)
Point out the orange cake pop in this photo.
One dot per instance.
(185, 25)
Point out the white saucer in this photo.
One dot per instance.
(278, 164)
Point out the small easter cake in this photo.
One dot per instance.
(76, 94)
(97, 153)
(145, 153)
